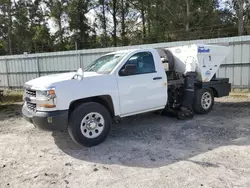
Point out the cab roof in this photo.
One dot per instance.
(122, 51)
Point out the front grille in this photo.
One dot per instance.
(31, 106)
(30, 93)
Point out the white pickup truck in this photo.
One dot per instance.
(176, 81)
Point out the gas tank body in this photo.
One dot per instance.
(203, 59)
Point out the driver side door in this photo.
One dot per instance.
(140, 92)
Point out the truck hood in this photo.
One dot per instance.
(49, 81)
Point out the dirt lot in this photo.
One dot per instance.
(145, 151)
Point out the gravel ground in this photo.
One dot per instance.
(143, 151)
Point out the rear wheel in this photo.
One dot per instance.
(204, 101)
(89, 124)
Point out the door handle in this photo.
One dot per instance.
(157, 78)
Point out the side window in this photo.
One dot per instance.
(143, 61)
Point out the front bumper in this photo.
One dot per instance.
(49, 121)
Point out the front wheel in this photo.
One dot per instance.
(204, 101)
(89, 124)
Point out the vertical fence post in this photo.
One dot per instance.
(7, 73)
(80, 61)
(248, 85)
(38, 66)
(78, 56)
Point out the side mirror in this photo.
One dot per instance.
(129, 69)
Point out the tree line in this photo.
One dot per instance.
(25, 25)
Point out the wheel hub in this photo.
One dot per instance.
(206, 100)
(92, 125)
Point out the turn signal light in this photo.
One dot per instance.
(47, 105)
(51, 92)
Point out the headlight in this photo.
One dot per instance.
(46, 94)
(46, 98)
(41, 94)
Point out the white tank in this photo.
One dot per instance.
(200, 58)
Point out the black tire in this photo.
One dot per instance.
(197, 105)
(76, 117)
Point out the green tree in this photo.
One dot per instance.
(78, 22)
(101, 12)
(113, 10)
(41, 39)
(57, 10)
(123, 15)
(24, 23)
(241, 8)
(21, 30)
(6, 21)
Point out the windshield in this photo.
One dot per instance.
(105, 64)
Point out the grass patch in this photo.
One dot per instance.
(241, 91)
(11, 96)
(244, 95)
